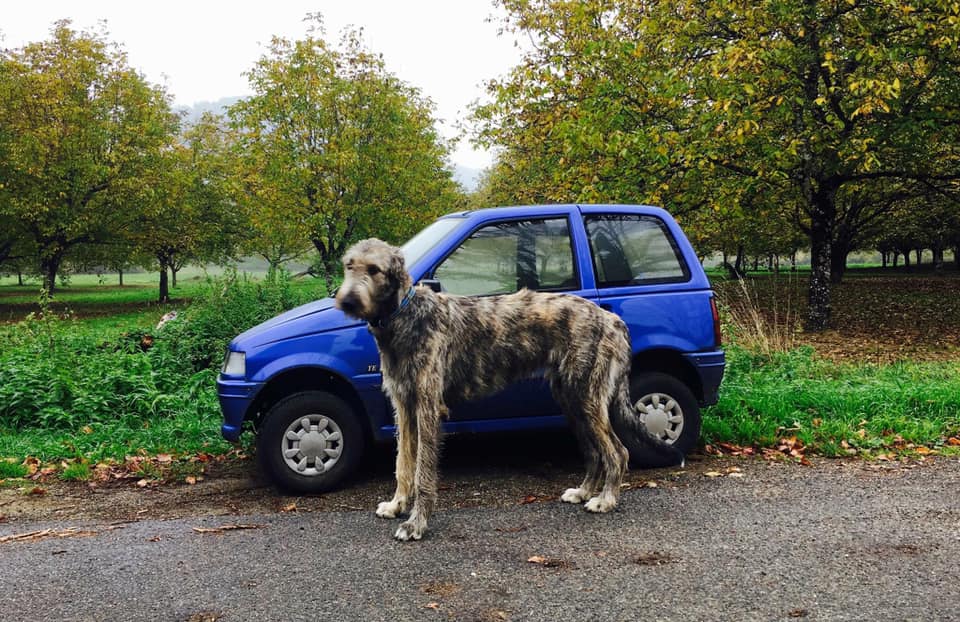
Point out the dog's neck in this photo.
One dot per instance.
(384, 322)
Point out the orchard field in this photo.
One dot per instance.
(90, 388)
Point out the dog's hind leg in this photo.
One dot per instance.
(429, 414)
(614, 457)
(591, 455)
(406, 463)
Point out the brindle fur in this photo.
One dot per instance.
(441, 349)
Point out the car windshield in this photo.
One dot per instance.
(420, 244)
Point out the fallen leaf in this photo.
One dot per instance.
(713, 474)
(528, 499)
(954, 441)
(164, 458)
(290, 507)
(36, 491)
(550, 562)
(735, 474)
(434, 606)
(654, 558)
(190, 479)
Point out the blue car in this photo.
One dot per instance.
(309, 379)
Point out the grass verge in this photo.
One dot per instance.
(836, 409)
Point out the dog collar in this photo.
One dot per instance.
(382, 323)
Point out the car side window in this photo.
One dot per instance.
(504, 257)
(631, 249)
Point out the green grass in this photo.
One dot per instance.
(834, 409)
(9, 469)
(76, 392)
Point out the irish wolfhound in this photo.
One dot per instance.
(437, 350)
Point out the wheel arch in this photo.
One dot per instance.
(670, 362)
(307, 378)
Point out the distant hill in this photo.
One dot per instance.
(192, 113)
(467, 177)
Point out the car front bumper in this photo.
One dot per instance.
(236, 397)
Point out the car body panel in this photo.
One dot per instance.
(666, 316)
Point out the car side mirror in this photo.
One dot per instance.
(433, 284)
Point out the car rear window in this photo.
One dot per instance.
(632, 249)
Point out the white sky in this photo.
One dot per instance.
(198, 50)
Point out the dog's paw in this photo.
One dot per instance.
(409, 531)
(600, 504)
(574, 495)
(388, 509)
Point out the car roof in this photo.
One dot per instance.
(516, 211)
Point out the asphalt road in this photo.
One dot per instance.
(759, 541)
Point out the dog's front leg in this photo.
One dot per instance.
(428, 416)
(406, 463)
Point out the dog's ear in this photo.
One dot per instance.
(397, 270)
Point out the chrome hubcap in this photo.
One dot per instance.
(662, 416)
(311, 445)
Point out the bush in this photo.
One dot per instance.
(57, 375)
(224, 308)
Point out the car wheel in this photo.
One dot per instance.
(310, 442)
(669, 411)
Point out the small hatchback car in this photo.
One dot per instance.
(309, 380)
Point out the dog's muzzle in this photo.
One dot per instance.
(349, 304)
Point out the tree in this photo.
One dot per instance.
(338, 145)
(186, 213)
(786, 106)
(79, 127)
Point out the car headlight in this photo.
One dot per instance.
(235, 364)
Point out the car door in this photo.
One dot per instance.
(501, 257)
(642, 276)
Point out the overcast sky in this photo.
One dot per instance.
(198, 50)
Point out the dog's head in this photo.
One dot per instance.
(375, 280)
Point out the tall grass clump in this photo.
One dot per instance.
(69, 391)
(760, 316)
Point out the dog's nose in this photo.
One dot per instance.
(347, 304)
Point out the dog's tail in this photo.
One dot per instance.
(643, 446)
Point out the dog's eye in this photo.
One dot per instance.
(373, 270)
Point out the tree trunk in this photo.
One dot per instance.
(173, 276)
(919, 256)
(164, 286)
(937, 257)
(883, 259)
(738, 266)
(120, 273)
(49, 267)
(821, 235)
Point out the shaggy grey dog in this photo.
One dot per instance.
(437, 350)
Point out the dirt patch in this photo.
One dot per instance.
(876, 318)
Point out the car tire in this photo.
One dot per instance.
(670, 412)
(310, 442)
